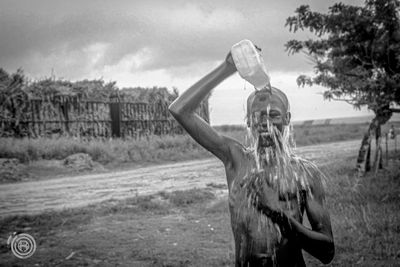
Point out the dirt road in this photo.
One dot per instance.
(67, 192)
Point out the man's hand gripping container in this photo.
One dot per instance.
(250, 64)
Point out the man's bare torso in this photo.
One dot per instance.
(258, 241)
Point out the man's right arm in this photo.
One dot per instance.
(183, 110)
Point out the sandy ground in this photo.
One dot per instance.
(77, 191)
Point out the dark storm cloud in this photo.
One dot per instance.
(160, 34)
(49, 25)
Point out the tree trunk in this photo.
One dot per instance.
(368, 157)
(378, 151)
(364, 153)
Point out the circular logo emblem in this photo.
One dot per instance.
(22, 245)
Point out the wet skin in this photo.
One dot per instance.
(252, 238)
(251, 248)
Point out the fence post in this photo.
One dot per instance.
(66, 105)
(32, 128)
(115, 114)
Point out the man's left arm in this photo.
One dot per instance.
(318, 241)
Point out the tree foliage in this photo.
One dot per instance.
(94, 90)
(356, 51)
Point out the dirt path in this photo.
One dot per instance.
(67, 192)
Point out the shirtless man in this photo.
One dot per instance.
(282, 210)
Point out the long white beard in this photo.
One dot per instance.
(277, 162)
(269, 147)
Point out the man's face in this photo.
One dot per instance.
(266, 119)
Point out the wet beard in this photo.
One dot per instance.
(268, 145)
(266, 140)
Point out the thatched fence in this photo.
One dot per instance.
(72, 116)
(87, 109)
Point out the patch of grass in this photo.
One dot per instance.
(317, 134)
(219, 206)
(184, 198)
(136, 205)
(160, 203)
(154, 149)
(365, 212)
(217, 186)
(45, 222)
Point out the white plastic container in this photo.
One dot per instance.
(250, 64)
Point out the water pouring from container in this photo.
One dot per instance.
(250, 64)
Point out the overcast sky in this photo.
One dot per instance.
(164, 43)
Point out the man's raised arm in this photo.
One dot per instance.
(183, 110)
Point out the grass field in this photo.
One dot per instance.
(42, 158)
(192, 228)
(158, 149)
(314, 134)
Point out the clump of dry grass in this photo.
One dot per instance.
(184, 198)
(154, 149)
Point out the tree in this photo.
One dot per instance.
(356, 52)
(13, 107)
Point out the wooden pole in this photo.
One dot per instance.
(378, 155)
(387, 150)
